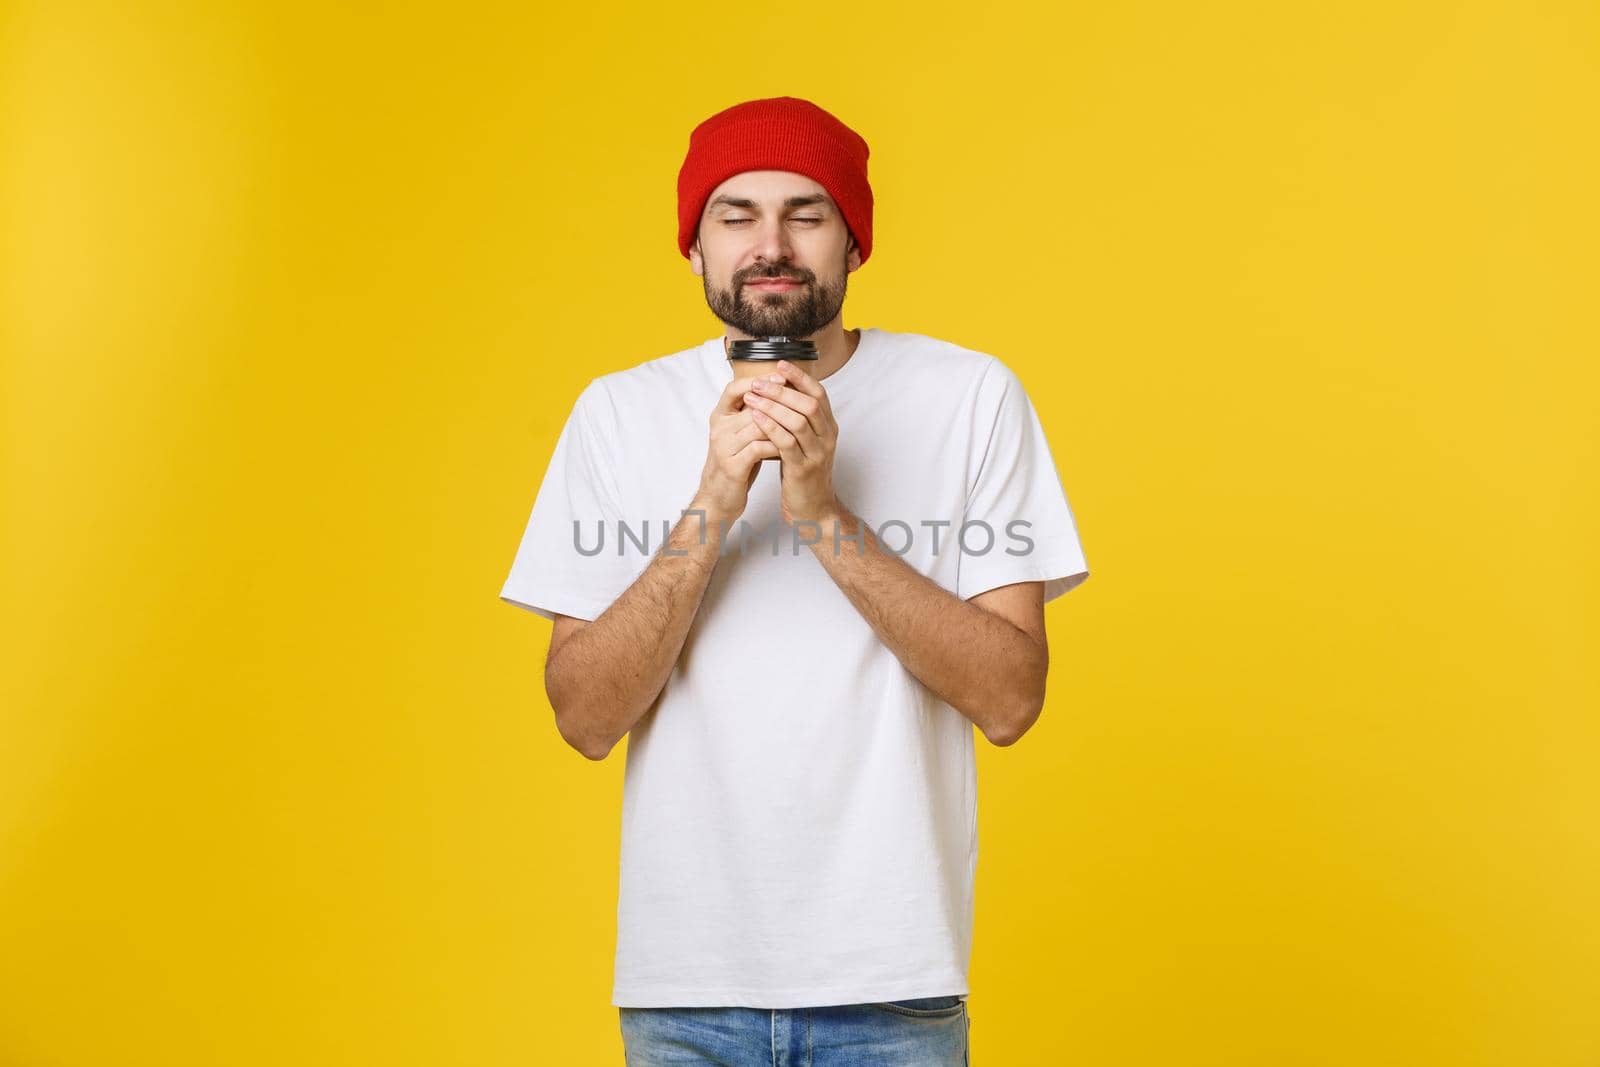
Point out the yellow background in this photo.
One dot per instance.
(294, 301)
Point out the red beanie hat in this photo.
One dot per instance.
(778, 133)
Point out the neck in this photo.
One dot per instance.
(835, 346)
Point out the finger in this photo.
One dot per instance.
(788, 446)
(793, 399)
(728, 401)
(738, 422)
(757, 450)
(791, 420)
(744, 435)
(801, 380)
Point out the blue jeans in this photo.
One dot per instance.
(926, 1032)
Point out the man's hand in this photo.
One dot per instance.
(796, 417)
(733, 455)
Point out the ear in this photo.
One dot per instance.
(852, 256)
(697, 262)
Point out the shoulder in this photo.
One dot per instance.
(932, 355)
(982, 380)
(623, 393)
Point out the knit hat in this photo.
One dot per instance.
(777, 133)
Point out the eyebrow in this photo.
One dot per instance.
(750, 205)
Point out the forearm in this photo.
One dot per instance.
(974, 660)
(604, 678)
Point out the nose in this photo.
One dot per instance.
(773, 242)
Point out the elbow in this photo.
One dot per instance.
(588, 745)
(1017, 716)
(572, 722)
(1009, 728)
(595, 753)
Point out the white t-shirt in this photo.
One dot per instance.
(799, 817)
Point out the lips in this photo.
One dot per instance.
(773, 281)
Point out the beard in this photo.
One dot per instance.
(797, 312)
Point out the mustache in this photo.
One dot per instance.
(772, 276)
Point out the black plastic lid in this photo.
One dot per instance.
(772, 349)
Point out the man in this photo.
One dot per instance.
(799, 666)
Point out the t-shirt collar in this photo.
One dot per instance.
(717, 359)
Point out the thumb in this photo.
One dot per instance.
(732, 394)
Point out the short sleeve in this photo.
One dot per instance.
(1018, 495)
(567, 562)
